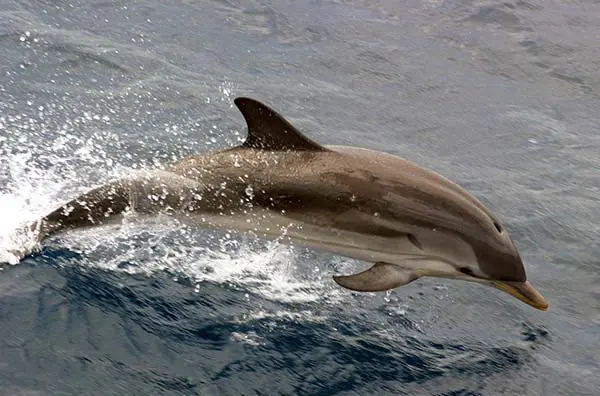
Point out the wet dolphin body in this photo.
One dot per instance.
(410, 222)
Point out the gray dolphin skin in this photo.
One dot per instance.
(372, 206)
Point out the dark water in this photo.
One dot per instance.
(502, 97)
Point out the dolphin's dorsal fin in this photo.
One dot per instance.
(380, 277)
(267, 130)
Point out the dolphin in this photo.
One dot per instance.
(408, 221)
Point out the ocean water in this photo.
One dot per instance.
(501, 96)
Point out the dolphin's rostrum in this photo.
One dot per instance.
(410, 222)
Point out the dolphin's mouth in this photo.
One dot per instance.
(524, 291)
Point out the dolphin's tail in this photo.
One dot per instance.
(147, 193)
(96, 207)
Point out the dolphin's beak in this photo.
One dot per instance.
(524, 292)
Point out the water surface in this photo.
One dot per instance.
(501, 97)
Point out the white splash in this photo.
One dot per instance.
(267, 268)
(21, 205)
(16, 243)
(36, 178)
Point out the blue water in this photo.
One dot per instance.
(501, 97)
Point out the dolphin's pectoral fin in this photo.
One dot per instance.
(267, 130)
(380, 277)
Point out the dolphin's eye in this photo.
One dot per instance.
(466, 271)
(498, 226)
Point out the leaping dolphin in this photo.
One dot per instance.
(372, 206)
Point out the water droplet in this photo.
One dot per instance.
(249, 192)
(387, 298)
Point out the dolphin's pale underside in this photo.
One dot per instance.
(410, 222)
